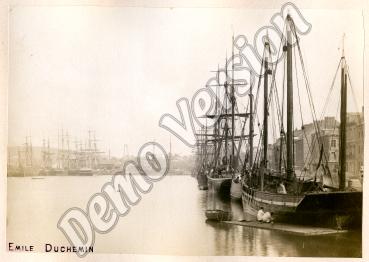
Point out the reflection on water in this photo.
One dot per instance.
(168, 220)
(238, 240)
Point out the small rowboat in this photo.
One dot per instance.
(218, 215)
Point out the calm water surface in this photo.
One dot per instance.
(168, 220)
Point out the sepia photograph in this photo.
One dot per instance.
(199, 130)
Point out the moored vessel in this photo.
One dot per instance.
(293, 196)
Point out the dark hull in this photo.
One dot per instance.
(332, 209)
(236, 190)
(202, 181)
(53, 172)
(218, 215)
(220, 185)
(343, 208)
(80, 172)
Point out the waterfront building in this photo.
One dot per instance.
(355, 144)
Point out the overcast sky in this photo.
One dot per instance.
(116, 70)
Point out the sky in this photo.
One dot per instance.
(117, 70)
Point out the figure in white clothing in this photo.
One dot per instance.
(267, 217)
(281, 189)
(260, 214)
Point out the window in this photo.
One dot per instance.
(333, 155)
(333, 143)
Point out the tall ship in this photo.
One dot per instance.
(82, 159)
(223, 141)
(202, 155)
(20, 163)
(292, 196)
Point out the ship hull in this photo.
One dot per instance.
(236, 190)
(221, 185)
(283, 206)
(80, 172)
(218, 215)
(202, 181)
(340, 208)
(332, 209)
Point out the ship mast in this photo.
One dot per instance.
(289, 142)
(251, 129)
(343, 116)
(58, 152)
(49, 164)
(226, 119)
(216, 126)
(265, 124)
(68, 150)
(233, 100)
(205, 146)
(62, 149)
(43, 153)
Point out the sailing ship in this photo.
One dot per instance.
(24, 160)
(222, 167)
(201, 164)
(292, 197)
(83, 161)
(61, 161)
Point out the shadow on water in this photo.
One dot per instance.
(222, 202)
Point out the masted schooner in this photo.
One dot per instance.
(220, 143)
(293, 197)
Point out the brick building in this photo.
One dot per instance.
(355, 144)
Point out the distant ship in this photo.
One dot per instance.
(63, 161)
(78, 162)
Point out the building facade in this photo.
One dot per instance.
(355, 145)
(308, 152)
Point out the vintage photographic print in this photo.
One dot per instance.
(197, 130)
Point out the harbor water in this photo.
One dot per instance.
(168, 220)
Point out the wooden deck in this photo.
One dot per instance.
(288, 228)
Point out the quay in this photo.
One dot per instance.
(288, 228)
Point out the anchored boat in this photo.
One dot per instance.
(223, 171)
(295, 197)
